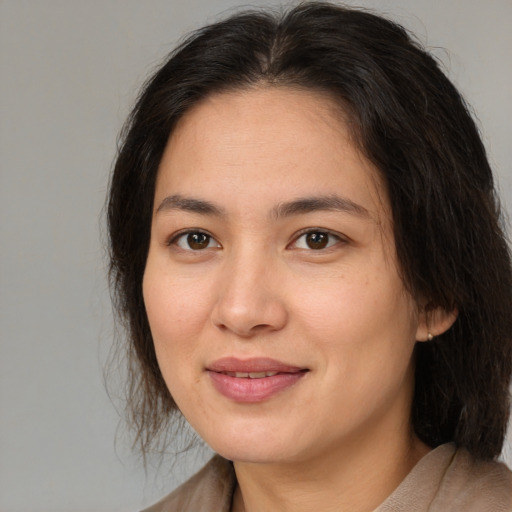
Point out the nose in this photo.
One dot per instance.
(250, 298)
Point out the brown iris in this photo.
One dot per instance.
(198, 241)
(317, 240)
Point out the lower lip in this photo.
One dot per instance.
(253, 390)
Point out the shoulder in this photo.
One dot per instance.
(451, 480)
(475, 485)
(209, 489)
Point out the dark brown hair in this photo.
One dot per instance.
(411, 122)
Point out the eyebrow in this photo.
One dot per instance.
(305, 205)
(177, 202)
(298, 206)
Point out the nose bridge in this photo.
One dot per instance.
(249, 300)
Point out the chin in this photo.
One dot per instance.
(251, 453)
(254, 443)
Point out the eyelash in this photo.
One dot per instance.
(332, 240)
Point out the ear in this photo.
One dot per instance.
(433, 322)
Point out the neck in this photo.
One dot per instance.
(356, 476)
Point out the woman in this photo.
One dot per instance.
(306, 249)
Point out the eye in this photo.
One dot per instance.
(194, 241)
(316, 240)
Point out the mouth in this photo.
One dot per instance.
(253, 380)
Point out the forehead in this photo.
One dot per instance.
(272, 142)
(270, 117)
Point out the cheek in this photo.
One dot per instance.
(173, 305)
(172, 323)
(178, 311)
(361, 321)
(175, 318)
(340, 304)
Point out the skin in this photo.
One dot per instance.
(340, 438)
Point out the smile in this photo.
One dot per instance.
(253, 380)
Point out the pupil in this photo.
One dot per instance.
(198, 241)
(317, 240)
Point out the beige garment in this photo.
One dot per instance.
(449, 480)
(209, 490)
(445, 480)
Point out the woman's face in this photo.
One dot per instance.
(280, 323)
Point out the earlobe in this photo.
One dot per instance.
(434, 322)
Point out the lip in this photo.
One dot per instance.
(251, 390)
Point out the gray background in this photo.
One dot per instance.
(69, 70)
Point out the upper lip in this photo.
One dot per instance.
(256, 364)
